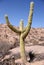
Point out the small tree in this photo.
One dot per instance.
(23, 32)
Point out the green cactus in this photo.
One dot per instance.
(23, 32)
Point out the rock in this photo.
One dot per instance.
(5, 46)
(35, 49)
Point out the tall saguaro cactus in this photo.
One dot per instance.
(23, 32)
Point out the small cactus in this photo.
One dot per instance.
(23, 32)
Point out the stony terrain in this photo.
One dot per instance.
(9, 45)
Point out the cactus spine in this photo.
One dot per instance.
(23, 32)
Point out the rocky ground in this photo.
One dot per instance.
(10, 50)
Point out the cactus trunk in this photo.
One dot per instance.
(22, 50)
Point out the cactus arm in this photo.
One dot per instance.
(22, 29)
(29, 20)
(10, 26)
(21, 25)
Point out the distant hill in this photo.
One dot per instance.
(35, 36)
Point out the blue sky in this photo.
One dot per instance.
(19, 9)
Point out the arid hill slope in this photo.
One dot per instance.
(9, 42)
(36, 35)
